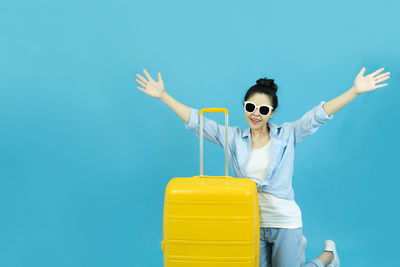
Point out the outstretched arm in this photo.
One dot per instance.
(362, 84)
(213, 131)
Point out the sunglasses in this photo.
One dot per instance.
(264, 110)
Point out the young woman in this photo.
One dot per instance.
(264, 152)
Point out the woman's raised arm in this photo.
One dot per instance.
(157, 90)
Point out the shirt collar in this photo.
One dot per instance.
(274, 130)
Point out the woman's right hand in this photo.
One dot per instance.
(151, 87)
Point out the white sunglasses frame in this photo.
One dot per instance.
(269, 112)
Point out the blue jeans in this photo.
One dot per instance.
(282, 247)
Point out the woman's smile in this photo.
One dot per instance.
(255, 121)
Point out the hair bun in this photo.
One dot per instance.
(269, 83)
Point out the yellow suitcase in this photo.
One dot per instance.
(211, 221)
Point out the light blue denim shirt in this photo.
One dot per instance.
(284, 138)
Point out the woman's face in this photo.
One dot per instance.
(255, 119)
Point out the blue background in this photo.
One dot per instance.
(85, 156)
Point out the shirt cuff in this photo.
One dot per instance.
(321, 114)
(194, 119)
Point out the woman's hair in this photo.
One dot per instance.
(264, 86)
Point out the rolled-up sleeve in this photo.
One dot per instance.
(309, 123)
(212, 131)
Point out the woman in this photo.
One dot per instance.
(264, 152)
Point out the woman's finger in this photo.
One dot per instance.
(142, 78)
(148, 75)
(382, 79)
(142, 83)
(361, 73)
(381, 75)
(381, 85)
(159, 76)
(375, 72)
(141, 89)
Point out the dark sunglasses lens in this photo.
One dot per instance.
(264, 110)
(250, 107)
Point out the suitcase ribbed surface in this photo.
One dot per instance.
(211, 221)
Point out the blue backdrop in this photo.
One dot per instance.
(85, 156)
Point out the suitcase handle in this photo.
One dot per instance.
(214, 110)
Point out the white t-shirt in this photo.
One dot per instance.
(274, 212)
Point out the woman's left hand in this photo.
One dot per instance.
(368, 83)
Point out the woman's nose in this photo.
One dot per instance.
(257, 111)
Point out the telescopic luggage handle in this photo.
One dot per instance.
(213, 110)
